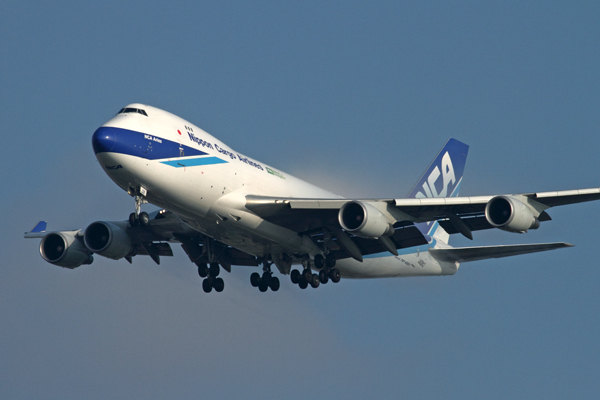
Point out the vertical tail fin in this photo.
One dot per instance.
(441, 179)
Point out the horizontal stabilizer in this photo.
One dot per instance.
(38, 231)
(465, 254)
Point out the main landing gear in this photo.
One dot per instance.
(327, 272)
(211, 281)
(211, 271)
(266, 281)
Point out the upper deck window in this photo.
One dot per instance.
(132, 110)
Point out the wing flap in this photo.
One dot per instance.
(159, 248)
(402, 238)
(478, 223)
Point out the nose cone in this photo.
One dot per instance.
(104, 139)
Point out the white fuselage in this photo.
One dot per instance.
(207, 190)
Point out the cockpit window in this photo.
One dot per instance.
(127, 110)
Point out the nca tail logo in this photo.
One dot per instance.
(432, 182)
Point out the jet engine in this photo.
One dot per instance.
(108, 240)
(65, 250)
(510, 214)
(362, 219)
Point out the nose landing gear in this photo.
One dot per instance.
(139, 217)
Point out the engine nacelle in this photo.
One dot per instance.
(362, 219)
(65, 250)
(108, 240)
(510, 214)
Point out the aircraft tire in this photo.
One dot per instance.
(206, 285)
(133, 221)
(266, 277)
(330, 261)
(307, 275)
(302, 284)
(219, 284)
(263, 286)
(214, 269)
(319, 261)
(323, 277)
(314, 281)
(295, 276)
(335, 276)
(202, 270)
(144, 218)
(274, 284)
(255, 279)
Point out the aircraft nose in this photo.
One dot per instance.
(103, 140)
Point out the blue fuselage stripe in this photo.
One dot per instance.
(138, 144)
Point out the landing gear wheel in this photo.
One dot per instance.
(314, 282)
(214, 269)
(335, 276)
(206, 285)
(295, 276)
(302, 284)
(307, 275)
(266, 277)
(263, 286)
(144, 218)
(133, 221)
(202, 270)
(323, 277)
(274, 284)
(330, 261)
(255, 279)
(219, 285)
(319, 261)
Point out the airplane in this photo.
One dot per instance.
(227, 209)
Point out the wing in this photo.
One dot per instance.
(515, 213)
(428, 209)
(166, 227)
(466, 254)
(118, 239)
(318, 219)
(418, 210)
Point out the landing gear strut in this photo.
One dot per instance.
(139, 218)
(266, 281)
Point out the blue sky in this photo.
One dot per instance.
(355, 96)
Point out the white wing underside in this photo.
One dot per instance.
(466, 254)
